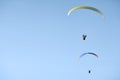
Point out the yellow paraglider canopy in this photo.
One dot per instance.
(85, 7)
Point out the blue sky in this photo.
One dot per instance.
(38, 41)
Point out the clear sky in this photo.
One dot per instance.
(38, 41)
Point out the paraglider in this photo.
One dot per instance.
(85, 7)
(84, 36)
(88, 53)
(89, 71)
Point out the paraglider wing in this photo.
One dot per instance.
(89, 53)
(85, 7)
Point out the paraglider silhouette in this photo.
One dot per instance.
(89, 53)
(84, 36)
(89, 71)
